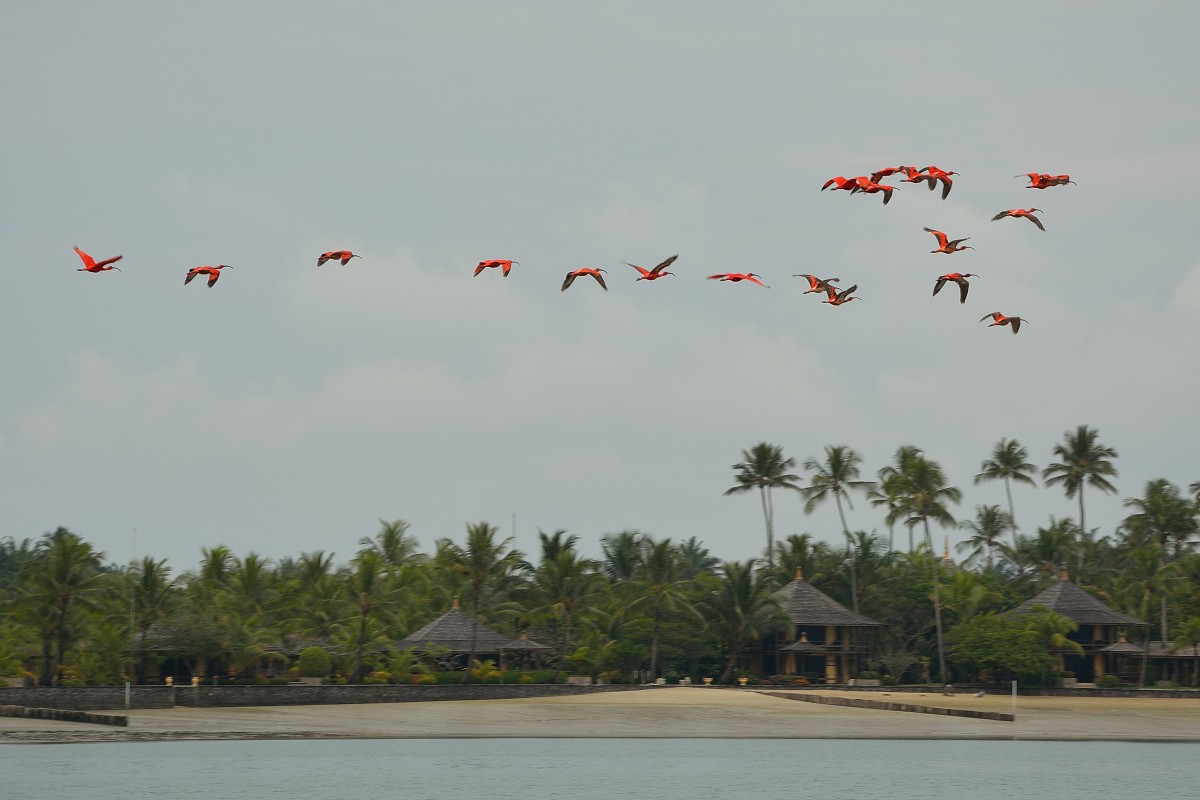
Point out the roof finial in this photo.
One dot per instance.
(1063, 575)
(799, 573)
(454, 607)
(1123, 639)
(804, 636)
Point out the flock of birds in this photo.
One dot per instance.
(931, 176)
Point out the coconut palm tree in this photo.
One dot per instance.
(1082, 460)
(663, 586)
(564, 586)
(1052, 631)
(763, 467)
(742, 609)
(1187, 636)
(834, 477)
(1009, 462)
(989, 523)
(392, 543)
(925, 494)
(480, 560)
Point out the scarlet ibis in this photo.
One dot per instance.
(957, 277)
(91, 265)
(343, 256)
(1027, 213)
(738, 277)
(837, 298)
(999, 319)
(931, 175)
(1059, 180)
(212, 272)
(876, 177)
(657, 272)
(841, 182)
(505, 265)
(1044, 180)
(872, 188)
(818, 285)
(593, 271)
(947, 245)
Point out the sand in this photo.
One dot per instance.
(665, 712)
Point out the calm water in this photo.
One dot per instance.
(601, 769)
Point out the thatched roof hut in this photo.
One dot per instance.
(452, 631)
(806, 605)
(1071, 601)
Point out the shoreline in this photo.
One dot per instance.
(666, 712)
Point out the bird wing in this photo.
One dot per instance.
(600, 280)
(721, 277)
(212, 277)
(947, 185)
(108, 261)
(478, 269)
(937, 287)
(1002, 215)
(993, 315)
(324, 257)
(1036, 221)
(664, 264)
(88, 261)
(941, 237)
(568, 281)
(963, 287)
(191, 274)
(813, 281)
(642, 270)
(1015, 323)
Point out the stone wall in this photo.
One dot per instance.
(95, 698)
(881, 705)
(119, 720)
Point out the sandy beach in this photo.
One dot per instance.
(667, 712)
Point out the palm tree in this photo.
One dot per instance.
(1165, 521)
(371, 591)
(925, 494)
(886, 492)
(479, 561)
(1052, 630)
(1082, 460)
(1009, 462)
(563, 586)
(742, 609)
(1187, 636)
(153, 595)
(393, 544)
(663, 586)
(833, 478)
(763, 467)
(622, 553)
(985, 529)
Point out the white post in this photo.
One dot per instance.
(1014, 699)
(128, 693)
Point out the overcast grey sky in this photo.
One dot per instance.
(289, 408)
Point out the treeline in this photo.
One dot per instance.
(647, 607)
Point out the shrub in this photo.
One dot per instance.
(869, 675)
(378, 677)
(526, 678)
(1108, 682)
(427, 679)
(314, 662)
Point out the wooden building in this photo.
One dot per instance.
(825, 641)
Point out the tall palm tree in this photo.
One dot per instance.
(392, 543)
(742, 609)
(1009, 462)
(564, 585)
(834, 477)
(925, 494)
(1164, 516)
(1082, 460)
(1187, 636)
(989, 523)
(622, 553)
(886, 492)
(763, 467)
(481, 559)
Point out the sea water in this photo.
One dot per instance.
(601, 769)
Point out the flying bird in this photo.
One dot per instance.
(738, 277)
(872, 188)
(212, 272)
(818, 285)
(957, 277)
(92, 265)
(343, 256)
(876, 177)
(932, 175)
(1022, 212)
(837, 298)
(999, 319)
(1044, 180)
(848, 184)
(504, 264)
(577, 273)
(947, 245)
(657, 272)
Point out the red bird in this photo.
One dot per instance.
(958, 277)
(593, 271)
(849, 184)
(876, 177)
(737, 277)
(1000, 319)
(337, 255)
(1058, 180)
(818, 285)
(505, 265)
(1022, 212)
(837, 298)
(657, 272)
(91, 265)
(1043, 180)
(946, 245)
(931, 175)
(212, 272)
(872, 188)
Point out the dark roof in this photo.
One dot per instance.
(803, 645)
(1073, 602)
(1167, 650)
(453, 630)
(807, 605)
(525, 645)
(1123, 648)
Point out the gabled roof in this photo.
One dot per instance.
(453, 630)
(807, 605)
(1072, 602)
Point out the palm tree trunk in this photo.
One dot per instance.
(937, 604)
(769, 518)
(1012, 520)
(1082, 531)
(849, 552)
(654, 645)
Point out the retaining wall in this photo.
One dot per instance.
(120, 720)
(90, 698)
(881, 705)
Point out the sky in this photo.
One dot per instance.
(290, 408)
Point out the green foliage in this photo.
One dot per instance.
(1108, 682)
(314, 662)
(1003, 647)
